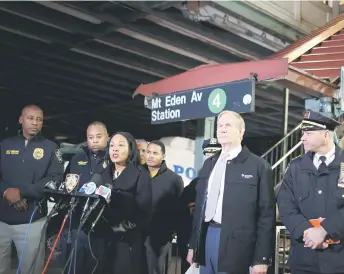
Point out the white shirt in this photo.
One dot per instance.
(218, 213)
(329, 157)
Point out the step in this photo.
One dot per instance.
(337, 37)
(319, 64)
(325, 72)
(330, 43)
(322, 57)
(333, 49)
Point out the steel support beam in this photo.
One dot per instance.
(285, 126)
(266, 22)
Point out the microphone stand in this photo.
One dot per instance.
(73, 204)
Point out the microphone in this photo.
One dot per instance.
(89, 188)
(72, 181)
(105, 192)
(52, 185)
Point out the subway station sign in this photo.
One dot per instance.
(204, 102)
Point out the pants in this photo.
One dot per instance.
(183, 252)
(157, 257)
(212, 244)
(33, 256)
(81, 252)
(124, 254)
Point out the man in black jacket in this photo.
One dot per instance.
(313, 188)
(28, 162)
(234, 216)
(88, 161)
(167, 188)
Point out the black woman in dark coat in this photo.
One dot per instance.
(130, 208)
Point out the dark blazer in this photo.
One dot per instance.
(248, 213)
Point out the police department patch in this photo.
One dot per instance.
(58, 154)
(38, 153)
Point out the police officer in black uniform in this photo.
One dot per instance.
(210, 147)
(311, 200)
(27, 163)
(88, 161)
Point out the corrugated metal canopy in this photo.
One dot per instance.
(81, 61)
(210, 75)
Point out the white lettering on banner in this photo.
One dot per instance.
(165, 115)
(175, 100)
(156, 103)
(197, 97)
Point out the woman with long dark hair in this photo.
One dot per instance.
(130, 207)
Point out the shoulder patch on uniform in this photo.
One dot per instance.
(58, 154)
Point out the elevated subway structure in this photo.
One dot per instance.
(81, 61)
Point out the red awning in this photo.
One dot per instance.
(208, 75)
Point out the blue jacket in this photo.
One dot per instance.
(27, 168)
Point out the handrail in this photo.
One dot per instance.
(282, 140)
(286, 155)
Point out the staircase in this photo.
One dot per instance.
(283, 152)
(279, 156)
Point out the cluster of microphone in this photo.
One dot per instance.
(70, 196)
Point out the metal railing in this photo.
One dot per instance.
(279, 155)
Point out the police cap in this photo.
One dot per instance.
(211, 146)
(316, 121)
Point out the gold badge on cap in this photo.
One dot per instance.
(306, 114)
(38, 153)
(71, 181)
(213, 141)
(341, 176)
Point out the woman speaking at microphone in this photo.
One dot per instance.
(129, 210)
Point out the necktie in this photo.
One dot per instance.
(214, 191)
(323, 165)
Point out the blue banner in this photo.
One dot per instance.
(204, 102)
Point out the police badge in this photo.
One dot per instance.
(105, 164)
(72, 181)
(38, 153)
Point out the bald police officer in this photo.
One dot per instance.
(312, 188)
(27, 163)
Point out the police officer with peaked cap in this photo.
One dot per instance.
(27, 163)
(210, 147)
(311, 200)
